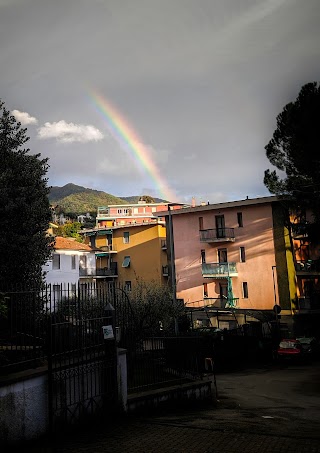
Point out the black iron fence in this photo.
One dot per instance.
(26, 326)
(60, 326)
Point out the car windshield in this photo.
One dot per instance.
(287, 344)
(305, 340)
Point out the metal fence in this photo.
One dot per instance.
(26, 327)
(63, 323)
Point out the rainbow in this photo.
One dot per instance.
(129, 140)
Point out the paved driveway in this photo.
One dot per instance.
(263, 410)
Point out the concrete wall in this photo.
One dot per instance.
(24, 406)
(24, 410)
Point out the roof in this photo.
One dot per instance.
(228, 204)
(70, 244)
(105, 229)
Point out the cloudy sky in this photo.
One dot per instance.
(173, 98)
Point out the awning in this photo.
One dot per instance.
(90, 233)
(103, 232)
(100, 255)
(126, 261)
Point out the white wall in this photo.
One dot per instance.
(66, 274)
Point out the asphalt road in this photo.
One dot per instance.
(270, 409)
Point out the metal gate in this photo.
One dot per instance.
(82, 364)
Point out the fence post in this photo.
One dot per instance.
(109, 333)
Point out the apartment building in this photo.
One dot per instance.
(128, 214)
(125, 253)
(232, 259)
(306, 248)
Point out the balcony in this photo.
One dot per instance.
(106, 249)
(307, 267)
(165, 271)
(217, 235)
(299, 230)
(309, 303)
(102, 272)
(219, 270)
(221, 302)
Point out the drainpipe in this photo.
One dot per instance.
(172, 267)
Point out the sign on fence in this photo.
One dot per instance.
(108, 332)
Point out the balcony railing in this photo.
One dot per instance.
(308, 266)
(217, 235)
(219, 270)
(299, 230)
(309, 303)
(102, 272)
(87, 272)
(106, 248)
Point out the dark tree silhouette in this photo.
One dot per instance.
(24, 207)
(295, 150)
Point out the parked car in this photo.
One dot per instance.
(290, 349)
(310, 346)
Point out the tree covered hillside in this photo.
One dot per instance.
(73, 199)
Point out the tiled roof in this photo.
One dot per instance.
(70, 244)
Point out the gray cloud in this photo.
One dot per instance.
(200, 82)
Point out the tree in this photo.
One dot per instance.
(70, 230)
(294, 150)
(24, 207)
(147, 199)
(153, 307)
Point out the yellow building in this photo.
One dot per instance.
(127, 253)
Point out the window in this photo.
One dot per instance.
(240, 220)
(245, 290)
(205, 290)
(200, 223)
(56, 261)
(203, 256)
(92, 241)
(223, 291)
(126, 261)
(127, 285)
(242, 255)
(222, 255)
(119, 211)
(126, 238)
(83, 262)
(73, 261)
(56, 292)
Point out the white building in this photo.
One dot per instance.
(72, 262)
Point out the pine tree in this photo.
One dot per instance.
(294, 150)
(24, 207)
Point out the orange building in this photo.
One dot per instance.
(130, 252)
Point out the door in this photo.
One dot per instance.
(220, 226)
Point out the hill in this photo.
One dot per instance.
(79, 200)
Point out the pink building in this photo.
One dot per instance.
(131, 213)
(234, 255)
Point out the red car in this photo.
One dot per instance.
(289, 348)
